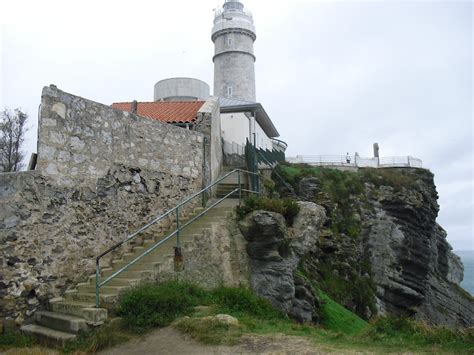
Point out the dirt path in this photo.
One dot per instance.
(171, 341)
(166, 341)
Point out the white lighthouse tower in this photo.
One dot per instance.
(233, 35)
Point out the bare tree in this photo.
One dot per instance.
(12, 134)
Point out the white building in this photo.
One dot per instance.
(243, 119)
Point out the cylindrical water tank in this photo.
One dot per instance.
(181, 89)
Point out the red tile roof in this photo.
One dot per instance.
(168, 111)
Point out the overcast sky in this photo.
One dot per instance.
(334, 76)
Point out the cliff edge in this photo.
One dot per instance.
(381, 250)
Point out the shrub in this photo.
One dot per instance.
(287, 207)
(243, 301)
(150, 305)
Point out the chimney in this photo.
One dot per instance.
(134, 106)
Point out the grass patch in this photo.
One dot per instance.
(107, 335)
(209, 331)
(287, 207)
(15, 339)
(339, 319)
(392, 330)
(394, 177)
(357, 290)
(340, 330)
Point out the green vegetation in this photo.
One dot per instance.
(287, 207)
(396, 178)
(337, 318)
(15, 339)
(391, 330)
(463, 293)
(337, 192)
(342, 194)
(242, 302)
(107, 335)
(357, 290)
(210, 331)
(139, 307)
(340, 328)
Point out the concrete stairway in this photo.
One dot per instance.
(230, 183)
(76, 312)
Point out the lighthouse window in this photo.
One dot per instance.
(229, 41)
(229, 91)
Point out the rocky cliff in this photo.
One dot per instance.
(381, 250)
(275, 251)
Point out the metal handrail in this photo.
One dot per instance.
(274, 169)
(99, 284)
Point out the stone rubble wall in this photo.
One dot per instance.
(101, 174)
(79, 140)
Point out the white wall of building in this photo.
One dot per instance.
(237, 127)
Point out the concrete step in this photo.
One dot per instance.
(121, 281)
(222, 194)
(89, 297)
(141, 265)
(139, 274)
(47, 335)
(106, 290)
(87, 311)
(62, 322)
(76, 296)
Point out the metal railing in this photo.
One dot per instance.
(233, 148)
(358, 161)
(176, 232)
(274, 171)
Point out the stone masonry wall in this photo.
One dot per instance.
(101, 174)
(79, 140)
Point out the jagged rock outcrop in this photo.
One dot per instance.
(413, 266)
(275, 252)
(381, 250)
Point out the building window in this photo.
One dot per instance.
(229, 41)
(229, 91)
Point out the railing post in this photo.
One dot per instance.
(177, 227)
(240, 188)
(97, 273)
